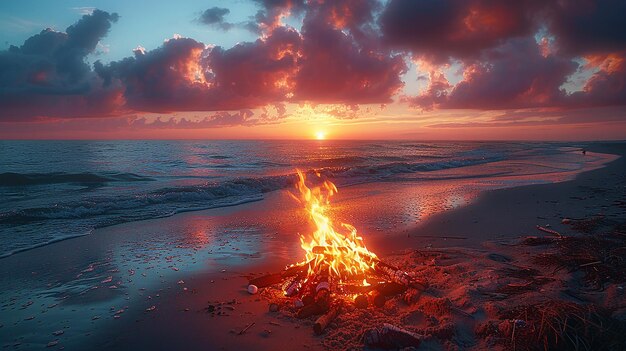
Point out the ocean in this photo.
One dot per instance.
(55, 190)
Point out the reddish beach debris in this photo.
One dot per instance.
(52, 343)
(549, 231)
(390, 337)
(322, 322)
(246, 328)
(273, 307)
(252, 289)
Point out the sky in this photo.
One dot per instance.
(297, 69)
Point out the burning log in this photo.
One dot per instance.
(390, 337)
(322, 292)
(322, 322)
(266, 280)
(307, 292)
(356, 289)
(389, 289)
(383, 291)
(292, 287)
(395, 275)
(276, 278)
(318, 300)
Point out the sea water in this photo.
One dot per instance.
(55, 190)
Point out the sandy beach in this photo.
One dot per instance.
(409, 175)
(180, 282)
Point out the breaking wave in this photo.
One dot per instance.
(21, 179)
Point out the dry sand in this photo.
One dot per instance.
(179, 282)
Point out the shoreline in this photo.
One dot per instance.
(41, 233)
(248, 244)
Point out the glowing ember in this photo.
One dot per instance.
(335, 250)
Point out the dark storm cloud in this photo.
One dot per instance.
(440, 29)
(215, 17)
(47, 75)
(585, 27)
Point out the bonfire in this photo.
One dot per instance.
(337, 266)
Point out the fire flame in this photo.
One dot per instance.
(334, 248)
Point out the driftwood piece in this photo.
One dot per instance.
(389, 289)
(266, 280)
(390, 337)
(318, 301)
(322, 322)
(246, 328)
(275, 278)
(307, 292)
(309, 310)
(379, 296)
(549, 231)
(322, 299)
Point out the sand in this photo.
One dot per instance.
(179, 282)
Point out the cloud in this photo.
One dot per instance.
(588, 27)
(271, 13)
(168, 78)
(608, 85)
(219, 119)
(512, 55)
(215, 17)
(542, 117)
(47, 74)
(185, 75)
(440, 29)
(322, 64)
(504, 64)
(341, 62)
(85, 10)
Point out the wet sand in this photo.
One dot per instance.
(179, 282)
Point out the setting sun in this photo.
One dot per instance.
(320, 135)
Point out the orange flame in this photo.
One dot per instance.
(335, 248)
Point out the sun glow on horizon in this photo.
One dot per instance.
(320, 135)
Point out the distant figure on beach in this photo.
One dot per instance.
(584, 152)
